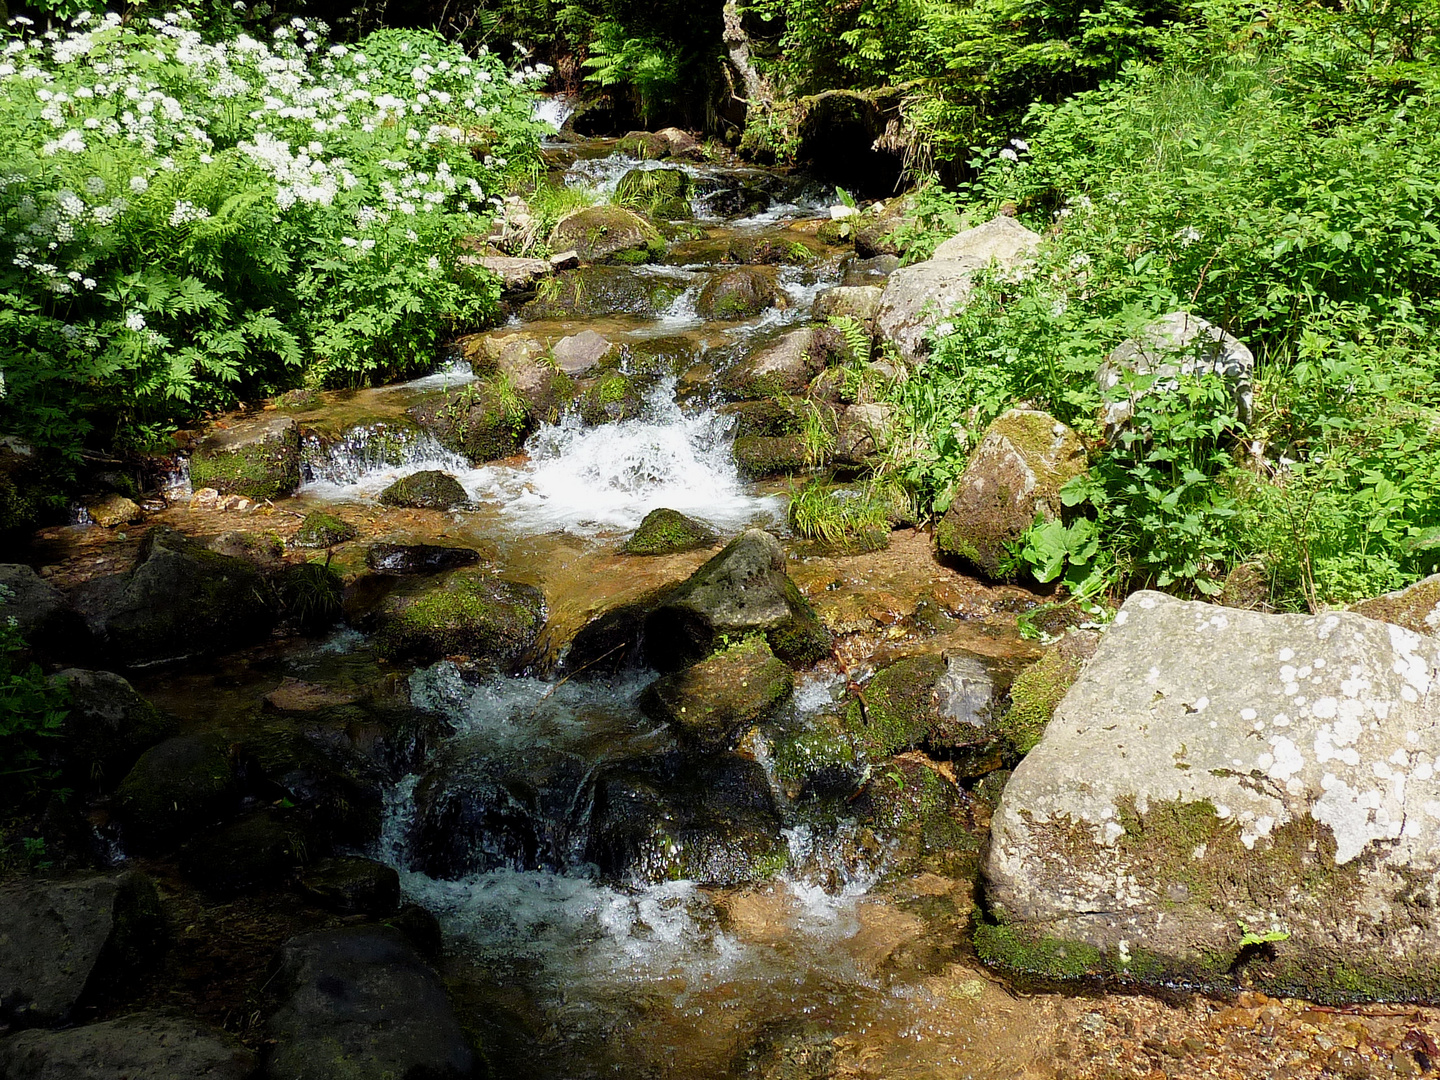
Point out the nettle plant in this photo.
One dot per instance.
(185, 221)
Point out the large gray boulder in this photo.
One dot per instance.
(361, 1004)
(1174, 345)
(152, 1045)
(608, 234)
(1218, 776)
(60, 939)
(1013, 477)
(919, 297)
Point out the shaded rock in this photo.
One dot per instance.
(608, 234)
(925, 821)
(681, 143)
(353, 886)
(44, 617)
(110, 511)
(770, 417)
(469, 613)
(1039, 689)
(311, 596)
(515, 274)
(600, 291)
(1416, 607)
(257, 457)
(182, 599)
(1175, 345)
(710, 818)
(1252, 771)
(480, 421)
(296, 695)
(737, 293)
(865, 431)
(860, 302)
(25, 490)
(361, 1004)
(709, 705)
(63, 940)
(759, 457)
(580, 352)
(429, 489)
(659, 192)
(152, 1045)
(320, 529)
(477, 812)
(860, 272)
(743, 590)
(265, 551)
(1013, 477)
(919, 297)
(421, 927)
(786, 365)
(257, 852)
(666, 532)
(401, 559)
(874, 233)
(175, 789)
(108, 726)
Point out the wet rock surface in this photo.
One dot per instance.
(665, 532)
(258, 457)
(470, 613)
(175, 789)
(428, 489)
(607, 234)
(404, 559)
(43, 615)
(153, 1045)
(710, 704)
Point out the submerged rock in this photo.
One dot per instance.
(403, 559)
(1217, 773)
(361, 1004)
(1174, 345)
(710, 704)
(1013, 477)
(429, 489)
(152, 1045)
(667, 532)
(710, 818)
(469, 613)
(64, 938)
(257, 457)
(743, 590)
(737, 293)
(608, 234)
(108, 725)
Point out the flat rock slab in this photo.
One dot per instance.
(1217, 771)
(155, 1046)
(515, 274)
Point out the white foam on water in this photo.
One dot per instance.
(553, 110)
(359, 468)
(454, 372)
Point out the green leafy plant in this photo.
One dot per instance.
(32, 711)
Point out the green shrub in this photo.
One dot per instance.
(31, 713)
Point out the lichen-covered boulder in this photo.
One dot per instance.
(107, 726)
(361, 1004)
(429, 489)
(153, 1045)
(175, 789)
(786, 365)
(591, 292)
(1174, 345)
(62, 938)
(917, 298)
(709, 705)
(320, 529)
(1013, 477)
(580, 353)
(741, 591)
(737, 293)
(1224, 788)
(709, 818)
(257, 457)
(667, 532)
(1416, 607)
(469, 613)
(661, 192)
(46, 620)
(181, 599)
(608, 234)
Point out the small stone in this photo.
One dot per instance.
(320, 529)
(429, 489)
(666, 532)
(205, 499)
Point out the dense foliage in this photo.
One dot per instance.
(1278, 173)
(189, 218)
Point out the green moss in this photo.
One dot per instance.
(802, 639)
(264, 470)
(470, 614)
(1033, 698)
(665, 532)
(759, 456)
(950, 540)
(1045, 957)
(898, 706)
(320, 529)
(428, 489)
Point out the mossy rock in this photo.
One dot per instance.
(320, 530)
(661, 192)
(1034, 695)
(710, 704)
(921, 816)
(608, 234)
(837, 233)
(667, 532)
(311, 596)
(1416, 607)
(258, 458)
(591, 292)
(768, 251)
(107, 726)
(898, 710)
(470, 613)
(175, 789)
(819, 761)
(429, 489)
(485, 421)
(738, 293)
(614, 396)
(351, 885)
(759, 457)
(766, 417)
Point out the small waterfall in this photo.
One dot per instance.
(364, 460)
(553, 110)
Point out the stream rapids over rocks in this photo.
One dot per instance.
(554, 810)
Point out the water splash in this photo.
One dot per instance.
(553, 110)
(367, 459)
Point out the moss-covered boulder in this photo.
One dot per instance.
(663, 193)
(1039, 688)
(1013, 477)
(770, 417)
(785, 365)
(469, 613)
(522, 366)
(484, 421)
(612, 396)
(175, 789)
(666, 532)
(859, 302)
(743, 590)
(107, 726)
(351, 885)
(1228, 795)
(768, 250)
(737, 293)
(819, 759)
(608, 234)
(320, 530)
(923, 819)
(709, 705)
(257, 457)
(112, 510)
(1416, 607)
(429, 489)
(181, 599)
(709, 818)
(591, 292)
(760, 457)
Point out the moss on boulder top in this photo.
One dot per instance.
(320, 529)
(666, 532)
(710, 704)
(599, 292)
(608, 234)
(257, 457)
(175, 789)
(429, 489)
(1416, 608)
(469, 613)
(738, 293)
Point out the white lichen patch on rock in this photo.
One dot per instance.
(1213, 767)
